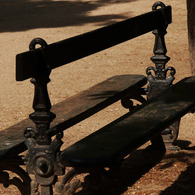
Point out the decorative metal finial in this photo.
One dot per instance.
(42, 116)
(159, 81)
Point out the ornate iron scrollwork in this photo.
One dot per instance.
(65, 186)
(160, 81)
(21, 180)
(127, 101)
(42, 158)
(95, 179)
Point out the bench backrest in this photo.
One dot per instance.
(60, 53)
(38, 63)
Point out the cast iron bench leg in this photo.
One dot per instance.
(160, 81)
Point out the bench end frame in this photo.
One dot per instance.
(42, 156)
(160, 81)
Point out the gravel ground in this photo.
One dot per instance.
(24, 20)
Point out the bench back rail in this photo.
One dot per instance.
(60, 53)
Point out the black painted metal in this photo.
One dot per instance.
(42, 116)
(160, 81)
(63, 52)
(43, 154)
(41, 159)
(78, 108)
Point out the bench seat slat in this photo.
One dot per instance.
(69, 50)
(114, 141)
(94, 99)
(12, 139)
(74, 109)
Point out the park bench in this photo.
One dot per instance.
(41, 134)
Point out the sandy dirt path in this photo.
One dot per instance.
(24, 20)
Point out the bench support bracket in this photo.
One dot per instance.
(160, 81)
(43, 153)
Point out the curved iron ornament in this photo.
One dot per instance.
(21, 180)
(66, 186)
(95, 179)
(127, 101)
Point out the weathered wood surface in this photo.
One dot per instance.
(73, 110)
(66, 51)
(114, 141)
(94, 99)
(12, 139)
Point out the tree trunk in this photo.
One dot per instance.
(191, 33)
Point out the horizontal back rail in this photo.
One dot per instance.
(68, 50)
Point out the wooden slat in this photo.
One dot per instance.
(94, 99)
(116, 140)
(66, 51)
(12, 139)
(74, 109)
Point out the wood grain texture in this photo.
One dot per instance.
(114, 141)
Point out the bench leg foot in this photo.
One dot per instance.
(170, 135)
(158, 143)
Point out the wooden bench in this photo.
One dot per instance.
(108, 146)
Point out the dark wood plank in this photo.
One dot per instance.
(94, 99)
(116, 140)
(73, 110)
(12, 139)
(66, 51)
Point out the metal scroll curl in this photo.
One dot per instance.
(127, 101)
(95, 179)
(21, 179)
